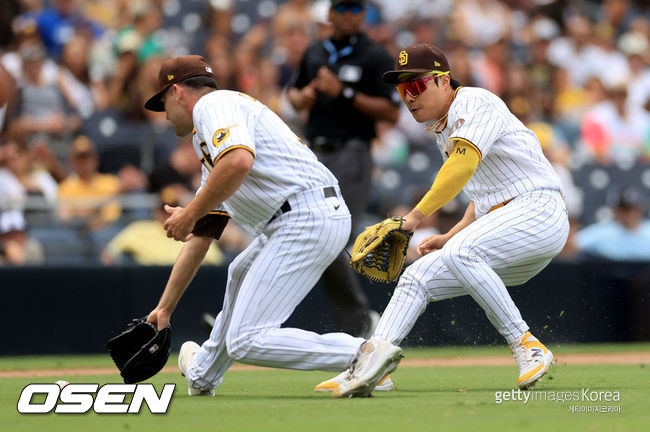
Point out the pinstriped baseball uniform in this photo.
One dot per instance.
(292, 248)
(508, 243)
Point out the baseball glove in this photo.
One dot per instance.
(379, 251)
(140, 351)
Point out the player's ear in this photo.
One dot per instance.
(176, 91)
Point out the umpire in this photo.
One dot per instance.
(339, 84)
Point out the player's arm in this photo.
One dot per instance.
(451, 179)
(435, 242)
(187, 263)
(230, 170)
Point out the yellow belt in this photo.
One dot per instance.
(500, 205)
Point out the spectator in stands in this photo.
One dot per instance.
(16, 248)
(145, 242)
(41, 111)
(626, 238)
(13, 227)
(637, 49)
(134, 44)
(575, 50)
(58, 23)
(25, 32)
(88, 197)
(481, 23)
(33, 176)
(558, 154)
(219, 55)
(615, 130)
(82, 93)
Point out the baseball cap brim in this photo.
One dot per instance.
(398, 76)
(155, 102)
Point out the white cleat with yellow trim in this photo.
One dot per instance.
(533, 359)
(386, 384)
(375, 360)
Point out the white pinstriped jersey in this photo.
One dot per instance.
(225, 120)
(512, 162)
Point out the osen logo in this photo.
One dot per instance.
(81, 398)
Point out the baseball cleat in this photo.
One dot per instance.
(376, 359)
(185, 355)
(328, 386)
(533, 359)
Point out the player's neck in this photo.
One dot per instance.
(450, 99)
(194, 97)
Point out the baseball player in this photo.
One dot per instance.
(259, 173)
(515, 223)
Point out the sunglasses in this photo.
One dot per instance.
(342, 8)
(417, 87)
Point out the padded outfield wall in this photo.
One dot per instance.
(76, 309)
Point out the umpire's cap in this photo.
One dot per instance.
(415, 60)
(174, 71)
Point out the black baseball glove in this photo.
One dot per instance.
(140, 351)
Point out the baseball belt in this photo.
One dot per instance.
(500, 205)
(286, 207)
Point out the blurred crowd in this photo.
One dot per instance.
(84, 168)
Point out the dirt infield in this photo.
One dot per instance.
(565, 359)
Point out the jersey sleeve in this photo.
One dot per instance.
(476, 122)
(223, 127)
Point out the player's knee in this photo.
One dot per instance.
(238, 344)
(454, 254)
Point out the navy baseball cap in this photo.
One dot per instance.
(174, 71)
(416, 60)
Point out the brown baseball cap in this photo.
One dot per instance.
(415, 60)
(174, 71)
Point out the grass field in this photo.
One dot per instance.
(427, 398)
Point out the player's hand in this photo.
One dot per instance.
(308, 95)
(159, 318)
(178, 225)
(328, 83)
(432, 243)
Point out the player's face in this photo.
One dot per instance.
(179, 117)
(431, 103)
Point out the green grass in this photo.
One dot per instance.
(427, 399)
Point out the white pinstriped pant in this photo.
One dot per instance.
(505, 247)
(266, 282)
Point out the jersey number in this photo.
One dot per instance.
(206, 160)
